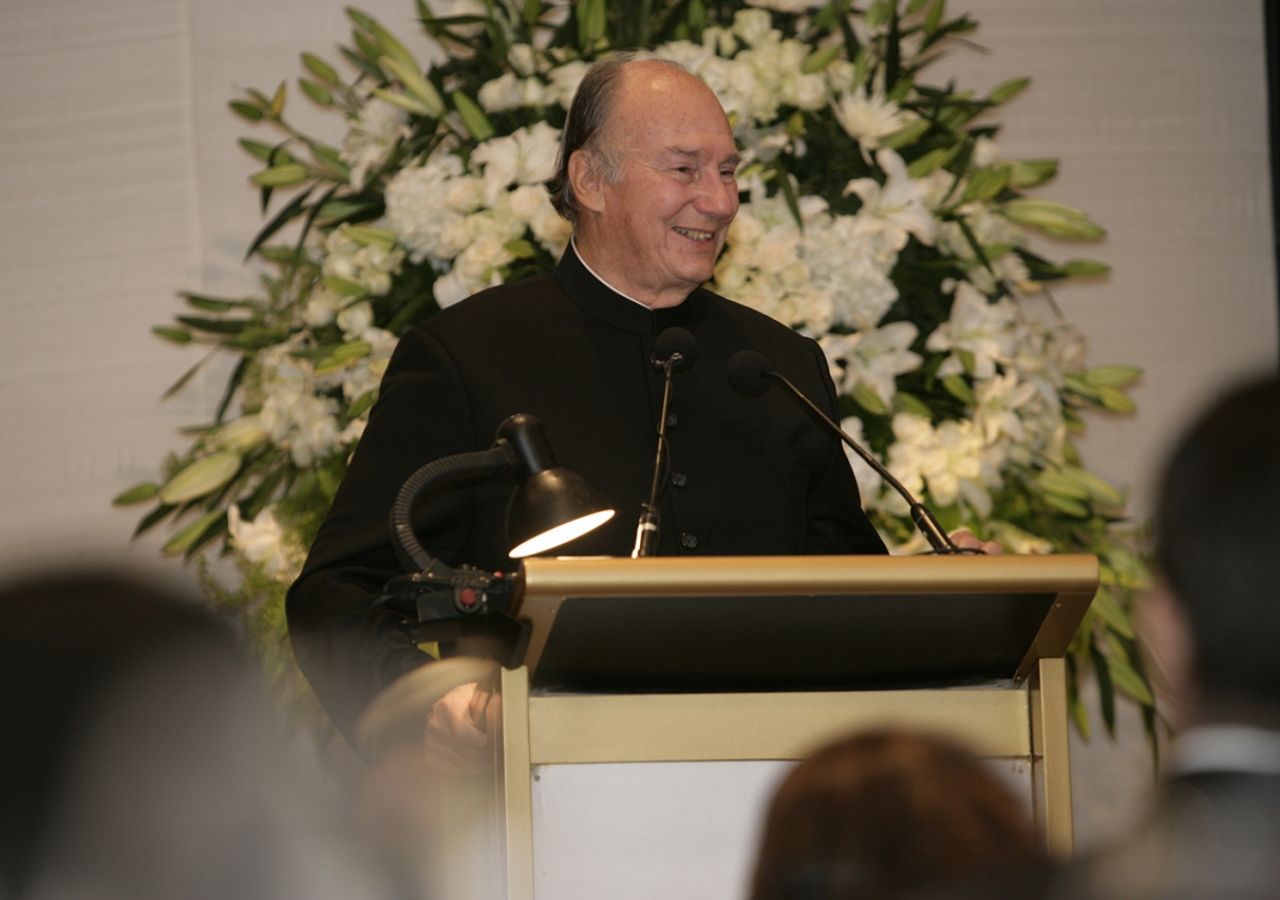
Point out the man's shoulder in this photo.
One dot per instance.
(753, 324)
(530, 296)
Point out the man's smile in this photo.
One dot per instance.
(693, 234)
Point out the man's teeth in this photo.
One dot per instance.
(696, 235)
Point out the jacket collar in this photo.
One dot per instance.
(602, 302)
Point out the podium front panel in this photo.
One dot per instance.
(787, 643)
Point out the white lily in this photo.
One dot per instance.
(896, 208)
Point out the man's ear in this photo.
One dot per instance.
(586, 177)
(1170, 645)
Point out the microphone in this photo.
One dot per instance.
(674, 351)
(750, 374)
(676, 348)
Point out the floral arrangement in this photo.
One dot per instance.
(879, 217)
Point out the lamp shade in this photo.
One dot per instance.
(550, 508)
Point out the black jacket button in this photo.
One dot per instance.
(679, 479)
(689, 540)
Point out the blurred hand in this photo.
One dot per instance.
(966, 539)
(452, 744)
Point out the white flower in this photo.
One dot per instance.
(869, 480)
(551, 229)
(949, 459)
(523, 59)
(874, 357)
(500, 94)
(752, 25)
(896, 208)
(355, 319)
(370, 139)
(424, 202)
(868, 117)
(322, 306)
(526, 157)
(976, 326)
(852, 268)
(565, 80)
(263, 541)
(787, 6)
(999, 400)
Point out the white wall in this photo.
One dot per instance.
(121, 183)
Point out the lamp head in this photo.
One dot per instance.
(550, 505)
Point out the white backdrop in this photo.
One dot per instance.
(121, 183)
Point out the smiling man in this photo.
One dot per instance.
(647, 176)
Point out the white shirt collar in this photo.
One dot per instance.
(1228, 748)
(573, 240)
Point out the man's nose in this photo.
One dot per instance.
(718, 198)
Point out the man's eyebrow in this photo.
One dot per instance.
(735, 159)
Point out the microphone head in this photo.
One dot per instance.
(675, 340)
(747, 369)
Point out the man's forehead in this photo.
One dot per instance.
(727, 154)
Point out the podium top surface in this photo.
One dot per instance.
(797, 622)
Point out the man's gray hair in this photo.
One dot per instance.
(587, 126)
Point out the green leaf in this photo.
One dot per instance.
(414, 82)
(473, 116)
(358, 16)
(959, 388)
(321, 69)
(1112, 376)
(934, 16)
(370, 236)
(343, 287)
(1056, 219)
(258, 149)
(1067, 505)
(209, 304)
(1099, 490)
(277, 101)
(316, 92)
(932, 160)
(1105, 607)
(1084, 268)
(869, 399)
(592, 20)
(177, 335)
(1116, 400)
(907, 134)
(521, 249)
(280, 176)
(910, 403)
(292, 209)
(1030, 172)
(1127, 679)
(329, 159)
(362, 403)
(392, 47)
(189, 536)
(202, 477)
(353, 350)
(246, 110)
(136, 494)
(820, 59)
(153, 518)
(215, 326)
(986, 183)
(405, 102)
(1065, 486)
(1106, 693)
(1007, 91)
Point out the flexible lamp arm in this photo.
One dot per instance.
(499, 460)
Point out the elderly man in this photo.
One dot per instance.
(647, 177)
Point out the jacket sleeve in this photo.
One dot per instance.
(348, 650)
(837, 523)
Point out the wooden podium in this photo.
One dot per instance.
(766, 658)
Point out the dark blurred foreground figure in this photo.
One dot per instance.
(1213, 624)
(140, 760)
(894, 815)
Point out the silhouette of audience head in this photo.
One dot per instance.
(141, 758)
(1216, 622)
(887, 815)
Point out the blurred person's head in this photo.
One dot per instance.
(890, 814)
(1214, 620)
(141, 758)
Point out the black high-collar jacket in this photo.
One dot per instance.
(748, 475)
